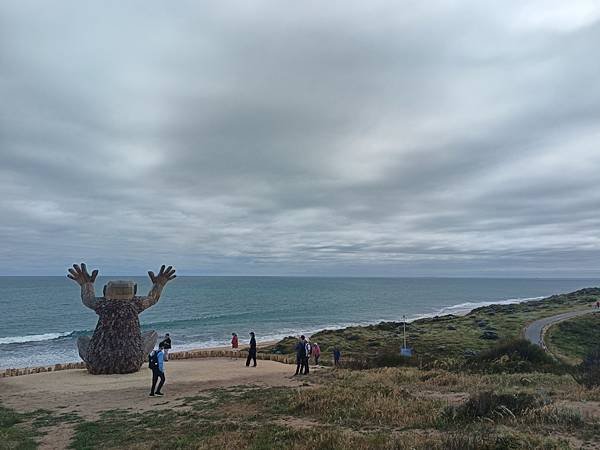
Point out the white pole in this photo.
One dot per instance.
(404, 323)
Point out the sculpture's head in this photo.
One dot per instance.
(120, 290)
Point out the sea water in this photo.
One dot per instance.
(42, 317)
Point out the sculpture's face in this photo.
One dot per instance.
(120, 290)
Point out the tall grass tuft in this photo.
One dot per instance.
(493, 406)
(553, 415)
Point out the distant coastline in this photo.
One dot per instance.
(44, 317)
(455, 310)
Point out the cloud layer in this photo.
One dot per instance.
(347, 138)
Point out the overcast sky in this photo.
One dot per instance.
(399, 138)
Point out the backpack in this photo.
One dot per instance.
(153, 360)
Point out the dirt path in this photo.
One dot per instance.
(535, 331)
(87, 395)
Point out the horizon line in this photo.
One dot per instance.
(325, 276)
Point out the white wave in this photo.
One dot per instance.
(458, 309)
(276, 335)
(465, 308)
(33, 338)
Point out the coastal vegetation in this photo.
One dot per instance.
(463, 389)
(573, 339)
(445, 340)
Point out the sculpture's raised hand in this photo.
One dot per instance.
(158, 283)
(81, 275)
(164, 275)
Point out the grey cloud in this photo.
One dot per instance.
(348, 138)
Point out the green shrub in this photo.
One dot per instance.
(8, 417)
(514, 356)
(491, 405)
(589, 369)
(12, 434)
(517, 348)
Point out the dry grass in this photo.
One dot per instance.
(389, 408)
(329, 438)
(367, 407)
(553, 415)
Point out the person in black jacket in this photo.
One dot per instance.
(251, 350)
(166, 345)
(300, 355)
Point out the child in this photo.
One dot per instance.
(234, 344)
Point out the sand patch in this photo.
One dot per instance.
(88, 395)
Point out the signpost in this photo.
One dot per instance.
(405, 351)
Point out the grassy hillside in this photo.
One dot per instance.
(574, 338)
(447, 337)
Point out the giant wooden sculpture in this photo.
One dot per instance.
(117, 345)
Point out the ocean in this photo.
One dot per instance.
(43, 316)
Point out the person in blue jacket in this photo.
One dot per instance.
(337, 354)
(157, 364)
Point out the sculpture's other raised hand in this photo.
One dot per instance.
(158, 283)
(164, 276)
(81, 275)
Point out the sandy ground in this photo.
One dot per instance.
(87, 395)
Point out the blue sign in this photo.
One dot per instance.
(406, 351)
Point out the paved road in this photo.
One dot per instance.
(534, 332)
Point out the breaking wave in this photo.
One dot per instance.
(40, 337)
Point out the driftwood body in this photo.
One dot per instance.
(117, 345)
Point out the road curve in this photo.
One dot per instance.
(534, 332)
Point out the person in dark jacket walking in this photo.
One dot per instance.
(300, 355)
(166, 344)
(251, 350)
(337, 354)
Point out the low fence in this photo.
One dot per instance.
(40, 369)
(192, 354)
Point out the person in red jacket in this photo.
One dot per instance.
(234, 344)
(316, 351)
